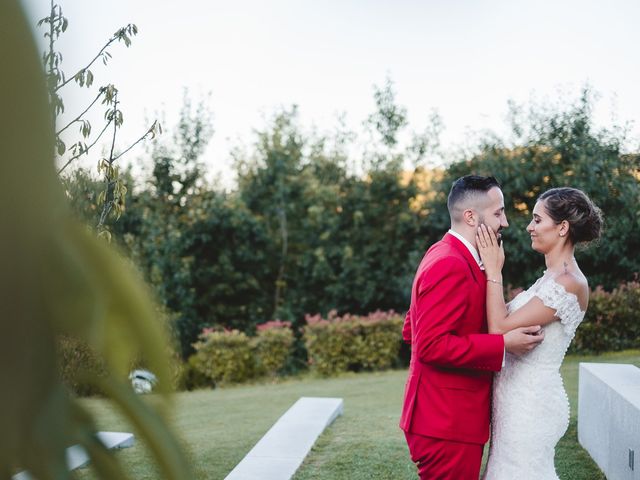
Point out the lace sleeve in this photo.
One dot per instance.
(566, 304)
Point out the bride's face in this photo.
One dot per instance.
(545, 233)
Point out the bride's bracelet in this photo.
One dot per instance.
(494, 281)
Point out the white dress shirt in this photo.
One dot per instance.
(473, 250)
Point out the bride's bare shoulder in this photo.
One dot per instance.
(573, 282)
(576, 283)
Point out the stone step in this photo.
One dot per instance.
(78, 457)
(280, 452)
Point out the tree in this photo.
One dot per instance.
(387, 124)
(351, 238)
(225, 252)
(161, 216)
(269, 185)
(389, 118)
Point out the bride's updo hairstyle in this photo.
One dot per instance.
(573, 205)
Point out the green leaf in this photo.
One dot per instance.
(56, 278)
(151, 427)
(60, 147)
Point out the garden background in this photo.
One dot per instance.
(310, 229)
(304, 264)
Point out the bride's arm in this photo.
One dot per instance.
(493, 260)
(496, 308)
(533, 313)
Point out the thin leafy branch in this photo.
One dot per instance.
(84, 149)
(84, 75)
(150, 134)
(79, 117)
(113, 197)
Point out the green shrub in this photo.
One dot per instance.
(328, 344)
(611, 321)
(224, 357)
(338, 344)
(379, 339)
(272, 346)
(192, 377)
(77, 364)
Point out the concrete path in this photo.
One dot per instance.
(282, 449)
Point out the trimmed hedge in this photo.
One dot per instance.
(351, 343)
(224, 357)
(612, 321)
(230, 356)
(272, 346)
(192, 376)
(338, 344)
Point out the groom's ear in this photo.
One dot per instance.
(469, 217)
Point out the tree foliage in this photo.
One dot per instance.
(349, 238)
(309, 228)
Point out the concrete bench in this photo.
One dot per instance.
(609, 417)
(280, 452)
(78, 457)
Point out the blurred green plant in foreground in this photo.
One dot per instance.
(57, 278)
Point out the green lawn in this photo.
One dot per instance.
(220, 426)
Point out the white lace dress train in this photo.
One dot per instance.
(530, 406)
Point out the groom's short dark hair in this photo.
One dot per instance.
(466, 187)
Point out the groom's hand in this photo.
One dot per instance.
(522, 340)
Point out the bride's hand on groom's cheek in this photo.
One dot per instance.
(488, 239)
(490, 249)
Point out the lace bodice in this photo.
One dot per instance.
(530, 408)
(558, 335)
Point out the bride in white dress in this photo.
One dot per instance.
(530, 406)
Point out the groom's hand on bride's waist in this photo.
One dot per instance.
(522, 340)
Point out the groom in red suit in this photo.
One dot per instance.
(447, 398)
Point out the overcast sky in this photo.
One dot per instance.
(463, 58)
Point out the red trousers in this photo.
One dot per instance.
(439, 459)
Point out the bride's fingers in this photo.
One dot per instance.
(482, 239)
(492, 235)
(485, 233)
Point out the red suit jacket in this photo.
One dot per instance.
(448, 392)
